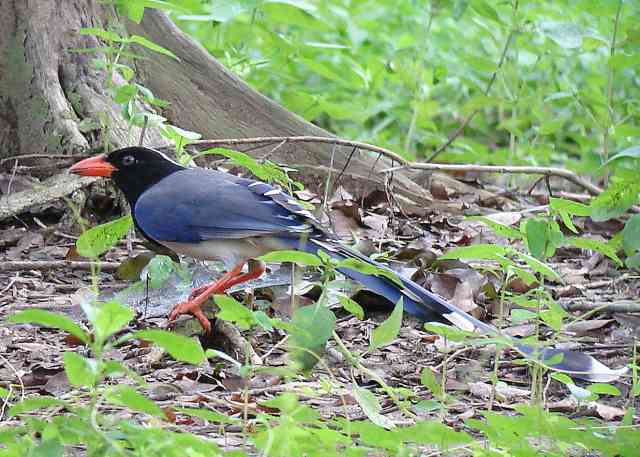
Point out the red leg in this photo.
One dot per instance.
(201, 294)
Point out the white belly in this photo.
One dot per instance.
(231, 252)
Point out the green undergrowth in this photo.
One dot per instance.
(557, 97)
(106, 391)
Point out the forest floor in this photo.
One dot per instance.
(36, 271)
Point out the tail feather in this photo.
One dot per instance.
(430, 307)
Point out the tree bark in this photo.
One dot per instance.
(47, 88)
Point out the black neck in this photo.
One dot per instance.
(135, 184)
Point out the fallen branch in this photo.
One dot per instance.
(547, 171)
(621, 306)
(18, 265)
(52, 189)
(299, 139)
(237, 341)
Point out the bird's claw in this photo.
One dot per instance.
(197, 291)
(189, 307)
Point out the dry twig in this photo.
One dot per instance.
(547, 171)
(300, 139)
(19, 265)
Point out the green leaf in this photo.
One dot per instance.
(429, 380)
(499, 229)
(49, 319)
(476, 251)
(633, 261)
(233, 311)
(48, 447)
(33, 404)
(369, 269)
(142, 41)
(539, 266)
(520, 315)
(434, 433)
(621, 195)
(106, 35)
(553, 316)
(80, 371)
(297, 257)
(179, 136)
(631, 235)
(566, 34)
(132, 267)
(178, 346)
(134, 11)
(263, 320)
(4, 393)
(124, 395)
(554, 359)
(311, 328)
(159, 270)
(110, 317)
(99, 239)
(351, 306)
(542, 237)
(125, 93)
(597, 246)
(371, 407)
(484, 8)
(563, 378)
(630, 153)
(265, 171)
(604, 389)
(449, 332)
(388, 331)
(567, 208)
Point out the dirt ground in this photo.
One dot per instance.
(40, 268)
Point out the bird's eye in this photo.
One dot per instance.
(128, 160)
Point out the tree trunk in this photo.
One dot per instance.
(47, 89)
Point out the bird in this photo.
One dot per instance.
(213, 215)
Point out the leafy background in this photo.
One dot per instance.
(542, 83)
(403, 74)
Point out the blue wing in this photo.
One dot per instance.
(195, 205)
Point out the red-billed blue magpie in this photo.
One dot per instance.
(213, 215)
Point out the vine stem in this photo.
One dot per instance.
(404, 163)
(457, 132)
(547, 171)
(371, 374)
(612, 51)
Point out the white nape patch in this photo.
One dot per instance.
(166, 157)
(272, 192)
(459, 321)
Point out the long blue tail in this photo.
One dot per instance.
(430, 307)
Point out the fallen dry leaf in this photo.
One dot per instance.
(582, 328)
(504, 392)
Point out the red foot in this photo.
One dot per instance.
(199, 290)
(199, 296)
(191, 307)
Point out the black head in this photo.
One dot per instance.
(133, 169)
